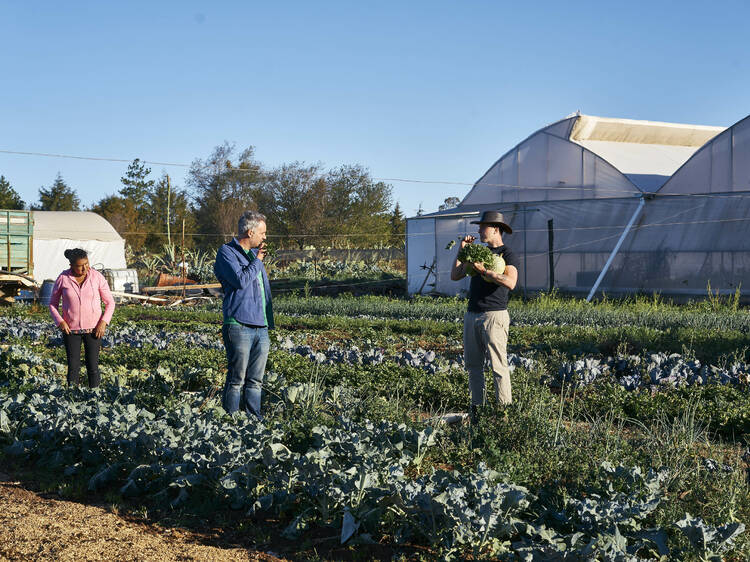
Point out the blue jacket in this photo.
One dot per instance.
(238, 275)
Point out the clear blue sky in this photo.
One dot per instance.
(416, 90)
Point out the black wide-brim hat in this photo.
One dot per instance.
(494, 218)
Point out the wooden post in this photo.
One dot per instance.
(182, 265)
(551, 238)
(169, 197)
(7, 233)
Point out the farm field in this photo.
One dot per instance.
(627, 439)
(38, 526)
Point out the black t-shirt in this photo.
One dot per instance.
(485, 296)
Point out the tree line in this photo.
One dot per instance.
(304, 204)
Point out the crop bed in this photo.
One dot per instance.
(626, 439)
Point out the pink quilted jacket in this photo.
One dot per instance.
(81, 305)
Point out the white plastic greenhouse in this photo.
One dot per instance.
(608, 205)
(56, 231)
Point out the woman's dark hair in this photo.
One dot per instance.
(75, 254)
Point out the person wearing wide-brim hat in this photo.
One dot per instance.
(486, 321)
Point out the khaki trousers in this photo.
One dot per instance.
(486, 333)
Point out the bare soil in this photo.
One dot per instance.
(37, 526)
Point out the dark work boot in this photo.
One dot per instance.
(474, 415)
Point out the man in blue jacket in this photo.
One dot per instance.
(248, 313)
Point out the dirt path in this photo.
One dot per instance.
(34, 527)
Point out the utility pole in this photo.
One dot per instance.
(169, 204)
(182, 265)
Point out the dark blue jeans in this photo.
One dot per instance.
(247, 351)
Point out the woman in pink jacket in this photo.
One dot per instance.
(82, 290)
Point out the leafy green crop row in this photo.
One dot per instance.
(157, 434)
(353, 476)
(558, 312)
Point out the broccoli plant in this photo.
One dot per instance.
(476, 253)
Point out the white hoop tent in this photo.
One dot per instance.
(613, 205)
(56, 231)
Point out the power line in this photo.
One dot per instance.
(600, 189)
(91, 158)
(404, 180)
(418, 234)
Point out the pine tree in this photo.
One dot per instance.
(9, 197)
(398, 226)
(137, 187)
(58, 197)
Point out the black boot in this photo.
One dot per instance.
(474, 415)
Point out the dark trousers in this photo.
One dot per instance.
(91, 347)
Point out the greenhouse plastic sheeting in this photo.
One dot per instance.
(585, 157)
(722, 165)
(50, 260)
(677, 244)
(57, 231)
(420, 252)
(693, 230)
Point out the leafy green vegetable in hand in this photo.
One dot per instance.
(473, 253)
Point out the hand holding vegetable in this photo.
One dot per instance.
(469, 239)
(479, 267)
(480, 259)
